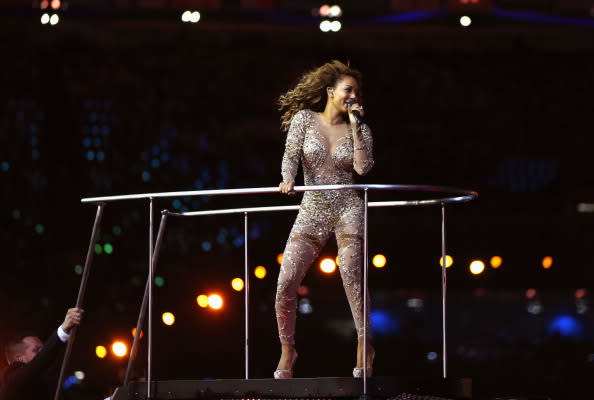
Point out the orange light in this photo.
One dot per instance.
(44, 4)
(215, 301)
(476, 267)
(56, 4)
(101, 351)
(168, 318)
(134, 333)
(279, 258)
(337, 261)
(449, 261)
(260, 272)
(119, 349)
(327, 265)
(202, 300)
(496, 262)
(530, 293)
(580, 293)
(237, 284)
(547, 262)
(379, 261)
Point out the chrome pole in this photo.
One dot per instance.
(246, 295)
(365, 291)
(149, 376)
(443, 289)
(81, 295)
(142, 313)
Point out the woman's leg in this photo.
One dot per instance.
(303, 246)
(349, 237)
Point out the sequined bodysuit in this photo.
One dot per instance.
(322, 213)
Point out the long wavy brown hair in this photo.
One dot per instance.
(310, 91)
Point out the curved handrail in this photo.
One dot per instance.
(458, 195)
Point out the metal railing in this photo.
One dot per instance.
(452, 195)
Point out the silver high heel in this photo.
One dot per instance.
(358, 371)
(286, 373)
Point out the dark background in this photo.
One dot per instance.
(122, 97)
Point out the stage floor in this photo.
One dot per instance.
(302, 388)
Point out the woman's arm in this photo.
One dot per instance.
(363, 149)
(293, 146)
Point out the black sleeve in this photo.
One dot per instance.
(24, 373)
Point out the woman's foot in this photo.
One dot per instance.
(285, 365)
(358, 370)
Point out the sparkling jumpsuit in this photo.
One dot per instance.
(322, 213)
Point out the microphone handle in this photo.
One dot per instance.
(357, 116)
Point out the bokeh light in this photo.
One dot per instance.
(237, 284)
(530, 293)
(449, 261)
(496, 262)
(168, 318)
(547, 262)
(327, 265)
(260, 272)
(379, 261)
(139, 336)
(476, 267)
(202, 300)
(100, 351)
(279, 258)
(215, 301)
(119, 348)
(465, 21)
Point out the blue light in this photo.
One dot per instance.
(97, 142)
(155, 163)
(146, 176)
(93, 117)
(90, 155)
(5, 166)
(86, 142)
(565, 325)
(206, 246)
(404, 17)
(198, 184)
(165, 157)
(69, 382)
(238, 241)
(156, 150)
(105, 130)
(536, 17)
(176, 203)
(383, 323)
(95, 130)
(165, 143)
(100, 156)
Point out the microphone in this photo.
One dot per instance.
(355, 113)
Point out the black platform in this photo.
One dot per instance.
(300, 388)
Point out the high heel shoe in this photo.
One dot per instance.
(286, 373)
(358, 371)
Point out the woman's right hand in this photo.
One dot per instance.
(287, 188)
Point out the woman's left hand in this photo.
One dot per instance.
(354, 107)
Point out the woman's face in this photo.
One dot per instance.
(347, 88)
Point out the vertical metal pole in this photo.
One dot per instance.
(81, 295)
(443, 289)
(365, 292)
(149, 377)
(246, 295)
(142, 314)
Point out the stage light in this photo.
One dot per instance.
(477, 267)
(159, 281)
(100, 351)
(139, 336)
(303, 290)
(80, 375)
(215, 301)
(56, 4)
(44, 4)
(195, 17)
(379, 261)
(237, 284)
(98, 249)
(260, 272)
(432, 356)
(449, 261)
(465, 21)
(496, 262)
(530, 293)
(119, 349)
(325, 25)
(108, 248)
(305, 306)
(324, 10)
(327, 265)
(168, 318)
(45, 19)
(78, 270)
(580, 293)
(547, 262)
(334, 11)
(335, 26)
(54, 19)
(202, 300)
(39, 228)
(279, 258)
(186, 16)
